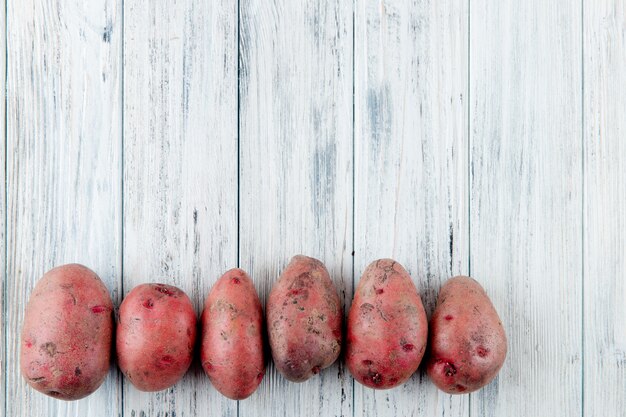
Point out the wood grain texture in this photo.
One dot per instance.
(3, 210)
(180, 167)
(296, 169)
(64, 153)
(526, 185)
(605, 199)
(411, 164)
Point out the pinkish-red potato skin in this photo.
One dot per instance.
(232, 351)
(467, 345)
(304, 319)
(156, 335)
(387, 327)
(66, 341)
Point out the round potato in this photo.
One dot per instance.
(231, 350)
(65, 348)
(387, 327)
(467, 344)
(156, 336)
(304, 320)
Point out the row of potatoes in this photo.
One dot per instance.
(68, 330)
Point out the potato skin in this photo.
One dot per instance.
(467, 345)
(156, 335)
(231, 351)
(387, 327)
(65, 349)
(304, 318)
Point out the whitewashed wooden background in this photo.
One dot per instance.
(170, 140)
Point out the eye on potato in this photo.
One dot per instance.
(156, 335)
(467, 345)
(387, 327)
(231, 350)
(304, 320)
(65, 346)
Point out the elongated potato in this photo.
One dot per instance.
(156, 336)
(232, 352)
(65, 349)
(304, 319)
(467, 344)
(387, 327)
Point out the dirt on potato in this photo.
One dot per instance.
(387, 327)
(66, 340)
(156, 336)
(232, 351)
(467, 345)
(304, 318)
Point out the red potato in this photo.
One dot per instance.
(65, 349)
(304, 320)
(467, 345)
(156, 336)
(387, 327)
(232, 352)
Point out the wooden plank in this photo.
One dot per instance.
(296, 168)
(605, 199)
(526, 185)
(180, 167)
(63, 167)
(411, 164)
(3, 209)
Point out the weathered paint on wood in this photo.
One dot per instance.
(63, 167)
(3, 209)
(526, 194)
(411, 164)
(296, 169)
(604, 207)
(180, 167)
